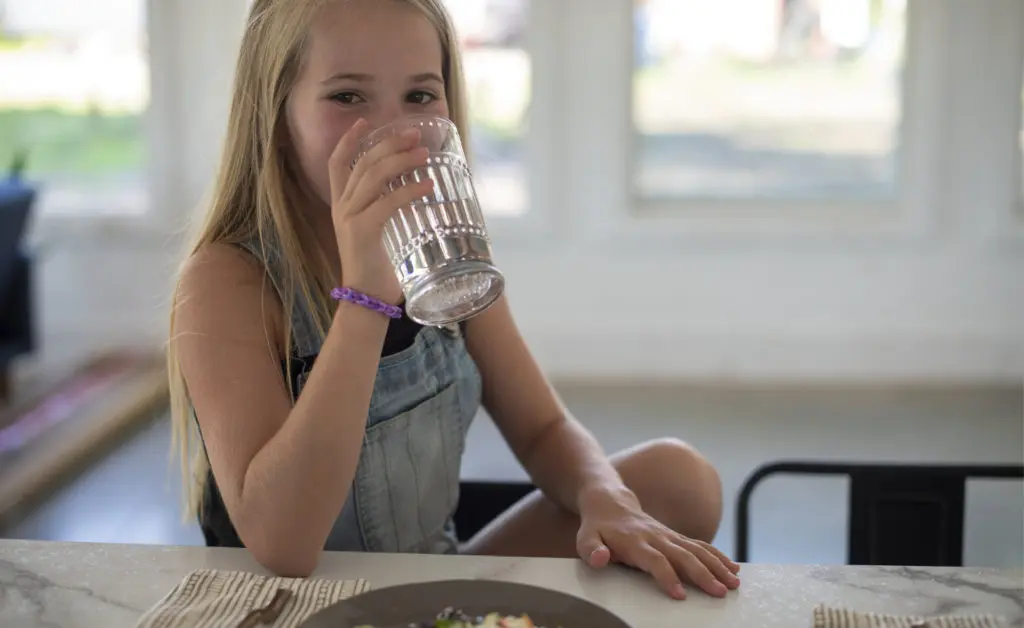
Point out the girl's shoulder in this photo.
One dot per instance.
(222, 288)
(221, 257)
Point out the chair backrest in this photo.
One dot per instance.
(899, 514)
(481, 502)
(15, 208)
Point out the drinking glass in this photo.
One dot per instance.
(439, 245)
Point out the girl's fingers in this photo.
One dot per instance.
(401, 142)
(705, 565)
(339, 165)
(386, 206)
(646, 557)
(732, 565)
(368, 185)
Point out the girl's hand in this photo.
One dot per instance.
(361, 204)
(615, 528)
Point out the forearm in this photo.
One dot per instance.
(298, 482)
(567, 463)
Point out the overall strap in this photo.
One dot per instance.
(305, 338)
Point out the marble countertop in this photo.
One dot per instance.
(92, 585)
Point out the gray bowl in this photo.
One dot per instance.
(398, 606)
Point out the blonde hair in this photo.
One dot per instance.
(255, 187)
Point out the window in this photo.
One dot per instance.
(74, 91)
(753, 99)
(497, 68)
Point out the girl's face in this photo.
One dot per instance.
(372, 59)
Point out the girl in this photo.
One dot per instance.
(316, 425)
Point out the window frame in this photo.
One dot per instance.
(582, 89)
(155, 218)
(617, 214)
(1013, 222)
(545, 24)
(175, 182)
(929, 292)
(983, 91)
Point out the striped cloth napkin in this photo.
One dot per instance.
(828, 617)
(208, 598)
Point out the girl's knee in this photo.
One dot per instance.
(683, 485)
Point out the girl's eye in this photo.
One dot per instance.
(422, 98)
(346, 98)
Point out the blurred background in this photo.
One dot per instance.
(776, 229)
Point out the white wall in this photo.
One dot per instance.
(931, 287)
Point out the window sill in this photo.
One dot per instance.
(81, 230)
(671, 224)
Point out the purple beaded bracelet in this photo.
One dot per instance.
(354, 296)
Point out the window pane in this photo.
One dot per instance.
(767, 98)
(74, 90)
(497, 67)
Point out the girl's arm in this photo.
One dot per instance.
(562, 458)
(567, 464)
(284, 472)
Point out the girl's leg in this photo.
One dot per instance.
(673, 482)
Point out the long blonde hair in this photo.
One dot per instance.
(256, 186)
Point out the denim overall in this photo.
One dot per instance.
(406, 485)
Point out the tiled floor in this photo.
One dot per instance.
(132, 496)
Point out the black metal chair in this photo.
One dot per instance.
(481, 502)
(899, 514)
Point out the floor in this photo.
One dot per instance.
(133, 495)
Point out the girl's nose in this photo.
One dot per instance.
(386, 114)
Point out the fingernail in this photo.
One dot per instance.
(679, 592)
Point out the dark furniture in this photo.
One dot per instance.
(16, 312)
(481, 502)
(899, 514)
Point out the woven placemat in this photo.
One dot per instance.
(828, 617)
(226, 599)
